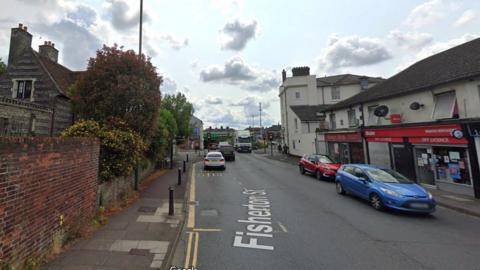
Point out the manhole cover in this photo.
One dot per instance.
(147, 209)
(139, 252)
(209, 213)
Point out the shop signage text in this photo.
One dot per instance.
(343, 137)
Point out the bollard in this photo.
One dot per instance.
(171, 209)
(179, 177)
(184, 166)
(187, 157)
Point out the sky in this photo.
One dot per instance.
(226, 56)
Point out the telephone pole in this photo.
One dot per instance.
(261, 128)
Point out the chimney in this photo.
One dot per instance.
(48, 50)
(284, 75)
(300, 71)
(20, 41)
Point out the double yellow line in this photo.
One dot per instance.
(192, 251)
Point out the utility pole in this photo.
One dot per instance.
(141, 24)
(261, 129)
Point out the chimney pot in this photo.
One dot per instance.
(25, 29)
(53, 45)
(20, 26)
(45, 43)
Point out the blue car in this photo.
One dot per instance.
(383, 188)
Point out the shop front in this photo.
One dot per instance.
(345, 147)
(435, 155)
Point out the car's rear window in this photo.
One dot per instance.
(214, 155)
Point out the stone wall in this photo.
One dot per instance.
(48, 188)
(18, 118)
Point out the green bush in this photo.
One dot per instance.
(120, 147)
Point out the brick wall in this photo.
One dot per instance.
(42, 179)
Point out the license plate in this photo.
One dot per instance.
(419, 205)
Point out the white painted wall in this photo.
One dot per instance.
(304, 144)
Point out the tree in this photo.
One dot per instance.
(165, 132)
(3, 67)
(119, 84)
(181, 109)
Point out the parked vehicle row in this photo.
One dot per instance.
(383, 188)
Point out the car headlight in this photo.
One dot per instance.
(430, 196)
(391, 192)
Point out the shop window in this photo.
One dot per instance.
(372, 118)
(335, 93)
(352, 118)
(445, 105)
(452, 165)
(333, 124)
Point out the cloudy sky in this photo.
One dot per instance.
(227, 55)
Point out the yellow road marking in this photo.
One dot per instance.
(206, 230)
(189, 249)
(191, 207)
(195, 251)
(192, 185)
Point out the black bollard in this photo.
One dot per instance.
(187, 157)
(184, 166)
(179, 177)
(171, 209)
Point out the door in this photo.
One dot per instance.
(360, 187)
(310, 163)
(403, 160)
(423, 166)
(344, 152)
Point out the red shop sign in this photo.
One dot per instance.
(387, 139)
(423, 131)
(442, 140)
(395, 118)
(343, 137)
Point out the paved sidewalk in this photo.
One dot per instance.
(139, 237)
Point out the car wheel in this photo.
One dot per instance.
(376, 202)
(302, 169)
(339, 188)
(318, 175)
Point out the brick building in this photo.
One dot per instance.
(34, 89)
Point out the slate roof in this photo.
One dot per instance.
(460, 62)
(62, 76)
(345, 79)
(308, 113)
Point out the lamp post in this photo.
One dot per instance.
(140, 30)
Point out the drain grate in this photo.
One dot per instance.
(139, 252)
(147, 209)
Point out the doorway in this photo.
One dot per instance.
(423, 165)
(402, 160)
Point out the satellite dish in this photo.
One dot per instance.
(415, 106)
(381, 111)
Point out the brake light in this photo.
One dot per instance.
(222, 160)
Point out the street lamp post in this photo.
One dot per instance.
(140, 30)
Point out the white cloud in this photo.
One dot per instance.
(467, 17)
(236, 72)
(123, 15)
(236, 34)
(169, 86)
(227, 7)
(352, 51)
(426, 13)
(175, 42)
(213, 100)
(411, 40)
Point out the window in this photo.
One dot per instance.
(296, 124)
(348, 169)
(333, 125)
(372, 118)
(3, 126)
(335, 93)
(352, 118)
(23, 89)
(359, 173)
(297, 95)
(445, 104)
(293, 144)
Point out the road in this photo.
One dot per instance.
(313, 227)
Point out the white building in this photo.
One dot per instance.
(304, 96)
(430, 131)
(195, 140)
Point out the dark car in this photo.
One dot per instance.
(228, 152)
(322, 166)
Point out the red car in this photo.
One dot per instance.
(322, 166)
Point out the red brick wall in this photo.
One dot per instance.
(40, 180)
